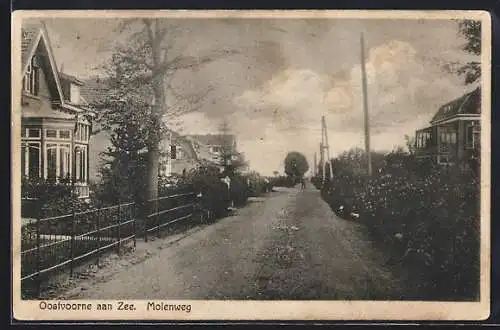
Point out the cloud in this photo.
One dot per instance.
(292, 72)
(403, 93)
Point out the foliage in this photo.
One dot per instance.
(239, 190)
(433, 210)
(296, 164)
(284, 181)
(257, 184)
(42, 198)
(145, 63)
(213, 193)
(471, 31)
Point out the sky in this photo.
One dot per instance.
(288, 73)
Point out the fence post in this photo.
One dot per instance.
(134, 223)
(157, 217)
(72, 247)
(144, 214)
(38, 278)
(119, 228)
(98, 234)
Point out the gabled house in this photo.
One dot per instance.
(212, 147)
(55, 122)
(177, 155)
(454, 134)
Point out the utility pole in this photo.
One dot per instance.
(365, 106)
(325, 147)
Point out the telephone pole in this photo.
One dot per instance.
(365, 106)
(325, 150)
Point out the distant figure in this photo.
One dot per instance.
(302, 184)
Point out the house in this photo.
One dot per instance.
(213, 147)
(56, 123)
(454, 134)
(177, 155)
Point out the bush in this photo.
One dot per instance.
(42, 198)
(433, 210)
(213, 193)
(284, 181)
(257, 185)
(239, 190)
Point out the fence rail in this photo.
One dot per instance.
(55, 243)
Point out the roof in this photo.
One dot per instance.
(214, 139)
(468, 104)
(70, 78)
(45, 111)
(30, 33)
(93, 90)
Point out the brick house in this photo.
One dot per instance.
(56, 123)
(454, 134)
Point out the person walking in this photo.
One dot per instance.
(302, 184)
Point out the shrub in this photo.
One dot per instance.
(257, 184)
(434, 210)
(213, 193)
(42, 198)
(283, 181)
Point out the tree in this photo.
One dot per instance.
(141, 71)
(471, 31)
(230, 159)
(296, 164)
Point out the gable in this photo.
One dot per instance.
(37, 43)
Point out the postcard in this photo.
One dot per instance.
(251, 165)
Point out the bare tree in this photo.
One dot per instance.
(146, 63)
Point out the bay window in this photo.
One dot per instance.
(57, 161)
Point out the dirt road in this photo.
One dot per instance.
(286, 246)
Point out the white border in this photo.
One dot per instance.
(270, 310)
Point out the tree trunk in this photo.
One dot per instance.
(158, 108)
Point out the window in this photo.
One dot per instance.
(31, 77)
(51, 162)
(447, 139)
(34, 132)
(81, 164)
(473, 136)
(64, 134)
(30, 160)
(51, 133)
(64, 162)
(82, 132)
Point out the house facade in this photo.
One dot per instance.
(454, 134)
(213, 147)
(183, 153)
(56, 123)
(177, 155)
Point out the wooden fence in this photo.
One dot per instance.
(54, 244)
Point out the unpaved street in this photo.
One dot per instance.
(289, 245)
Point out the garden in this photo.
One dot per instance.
(427, 217)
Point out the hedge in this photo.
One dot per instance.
(428, 216)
